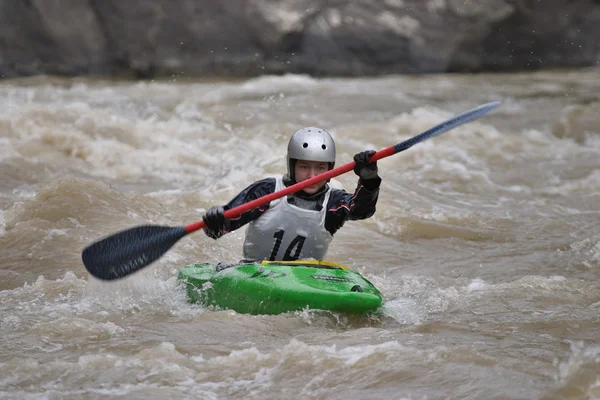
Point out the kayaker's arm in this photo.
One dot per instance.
(254, 191)
(344, 206)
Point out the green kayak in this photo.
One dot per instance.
(274, 287)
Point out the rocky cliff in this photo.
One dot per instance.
(147, 38)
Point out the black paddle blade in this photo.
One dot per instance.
(126, 252)
(445, 126)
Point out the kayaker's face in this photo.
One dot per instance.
(307, 169)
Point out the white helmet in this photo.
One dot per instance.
(310, 144)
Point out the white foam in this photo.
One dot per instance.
(574, 371)
(261, 86)
(477, 285)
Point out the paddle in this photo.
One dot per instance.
(128, 251)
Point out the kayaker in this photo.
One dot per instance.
(301, 225)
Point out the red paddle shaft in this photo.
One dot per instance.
(237, 211)
(436, 130)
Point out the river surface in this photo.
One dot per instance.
(485, 243)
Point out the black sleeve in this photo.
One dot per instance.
(256, 190)
(344, 206)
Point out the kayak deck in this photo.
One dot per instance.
(274, 287)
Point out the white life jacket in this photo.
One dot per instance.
(287, 232)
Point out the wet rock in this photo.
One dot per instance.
(148, 38)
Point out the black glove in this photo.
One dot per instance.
(214, 220)
(362, 169)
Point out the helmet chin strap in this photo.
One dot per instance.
(287, 181)
(292, 169)
(303, 195)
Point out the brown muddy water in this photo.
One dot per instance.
(485, 243)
